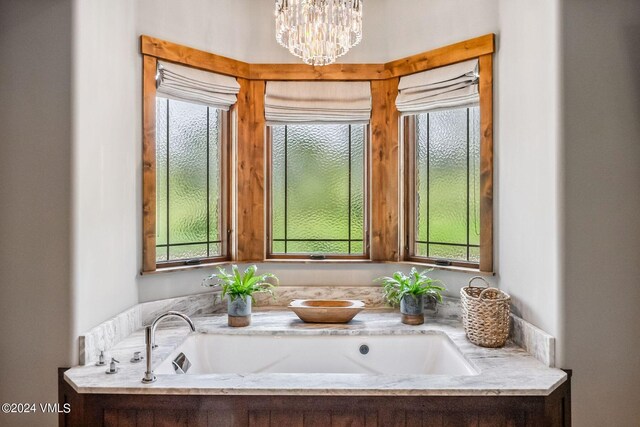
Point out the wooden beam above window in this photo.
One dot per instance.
(450, 54)
(339, 72)
(185, 55)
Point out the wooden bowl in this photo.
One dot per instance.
(326, 310)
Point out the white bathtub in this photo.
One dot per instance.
(422, 354)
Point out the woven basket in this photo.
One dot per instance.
(485, 314)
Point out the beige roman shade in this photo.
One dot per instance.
(442, 88)
(192, 85)
(317, 102)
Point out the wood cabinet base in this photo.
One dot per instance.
(322, 411)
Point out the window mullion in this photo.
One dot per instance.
(286, 187)
(468, 148)
(168, 179)
(428, 181)
(207, 186)
(349, 184)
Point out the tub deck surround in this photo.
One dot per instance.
(506, 371)
(106, 335)
(535, 341)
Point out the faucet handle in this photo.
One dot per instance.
(136, 357)
(101, 361)
(112, 366)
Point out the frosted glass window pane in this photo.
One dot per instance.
(422, 178)
(277, 182)
(448, 252)
(448, 176)
(215, 249)
(357, 184)
(357, 247)
(318, 177)
(315, 247)
(447, 184)
(422, 249)
(278, 247)
(161, 176)
(187, 252)
(474, 176)
(187, 172)
(189, 182)
(317, 189)
(474, 254)
(215, 177)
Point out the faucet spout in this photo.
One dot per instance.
(149, 340)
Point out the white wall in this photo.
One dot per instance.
(407, 27)
(391, 29)
(35, 201)
(106, 160)
(601, 60)
(527, 145)
(166, 285)
(213, 26)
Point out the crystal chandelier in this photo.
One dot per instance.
(318, 31)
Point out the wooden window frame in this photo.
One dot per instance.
(486, 182)
(366, 208)
(150, 262)
(248, 241)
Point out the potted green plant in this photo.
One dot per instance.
(239, 288)
(410, 292)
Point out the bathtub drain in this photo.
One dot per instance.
(364, 349)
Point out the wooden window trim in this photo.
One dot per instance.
(366, 204)
(486, 162)
(149, 65)
(486, 180)
(456, 52)
(385, 241)
(247, 242)
(250, 152)
(149, 180)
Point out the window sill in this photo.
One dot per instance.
(162, 270)
(319, 261)
(469, 270)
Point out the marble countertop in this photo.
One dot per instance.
(506, 371)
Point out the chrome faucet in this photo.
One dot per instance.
(149, 340)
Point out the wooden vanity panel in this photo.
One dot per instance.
(316, 419)
(311, 411)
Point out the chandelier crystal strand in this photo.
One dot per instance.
(318, 31)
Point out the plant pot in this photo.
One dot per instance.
(239, 311)
(412, 309)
